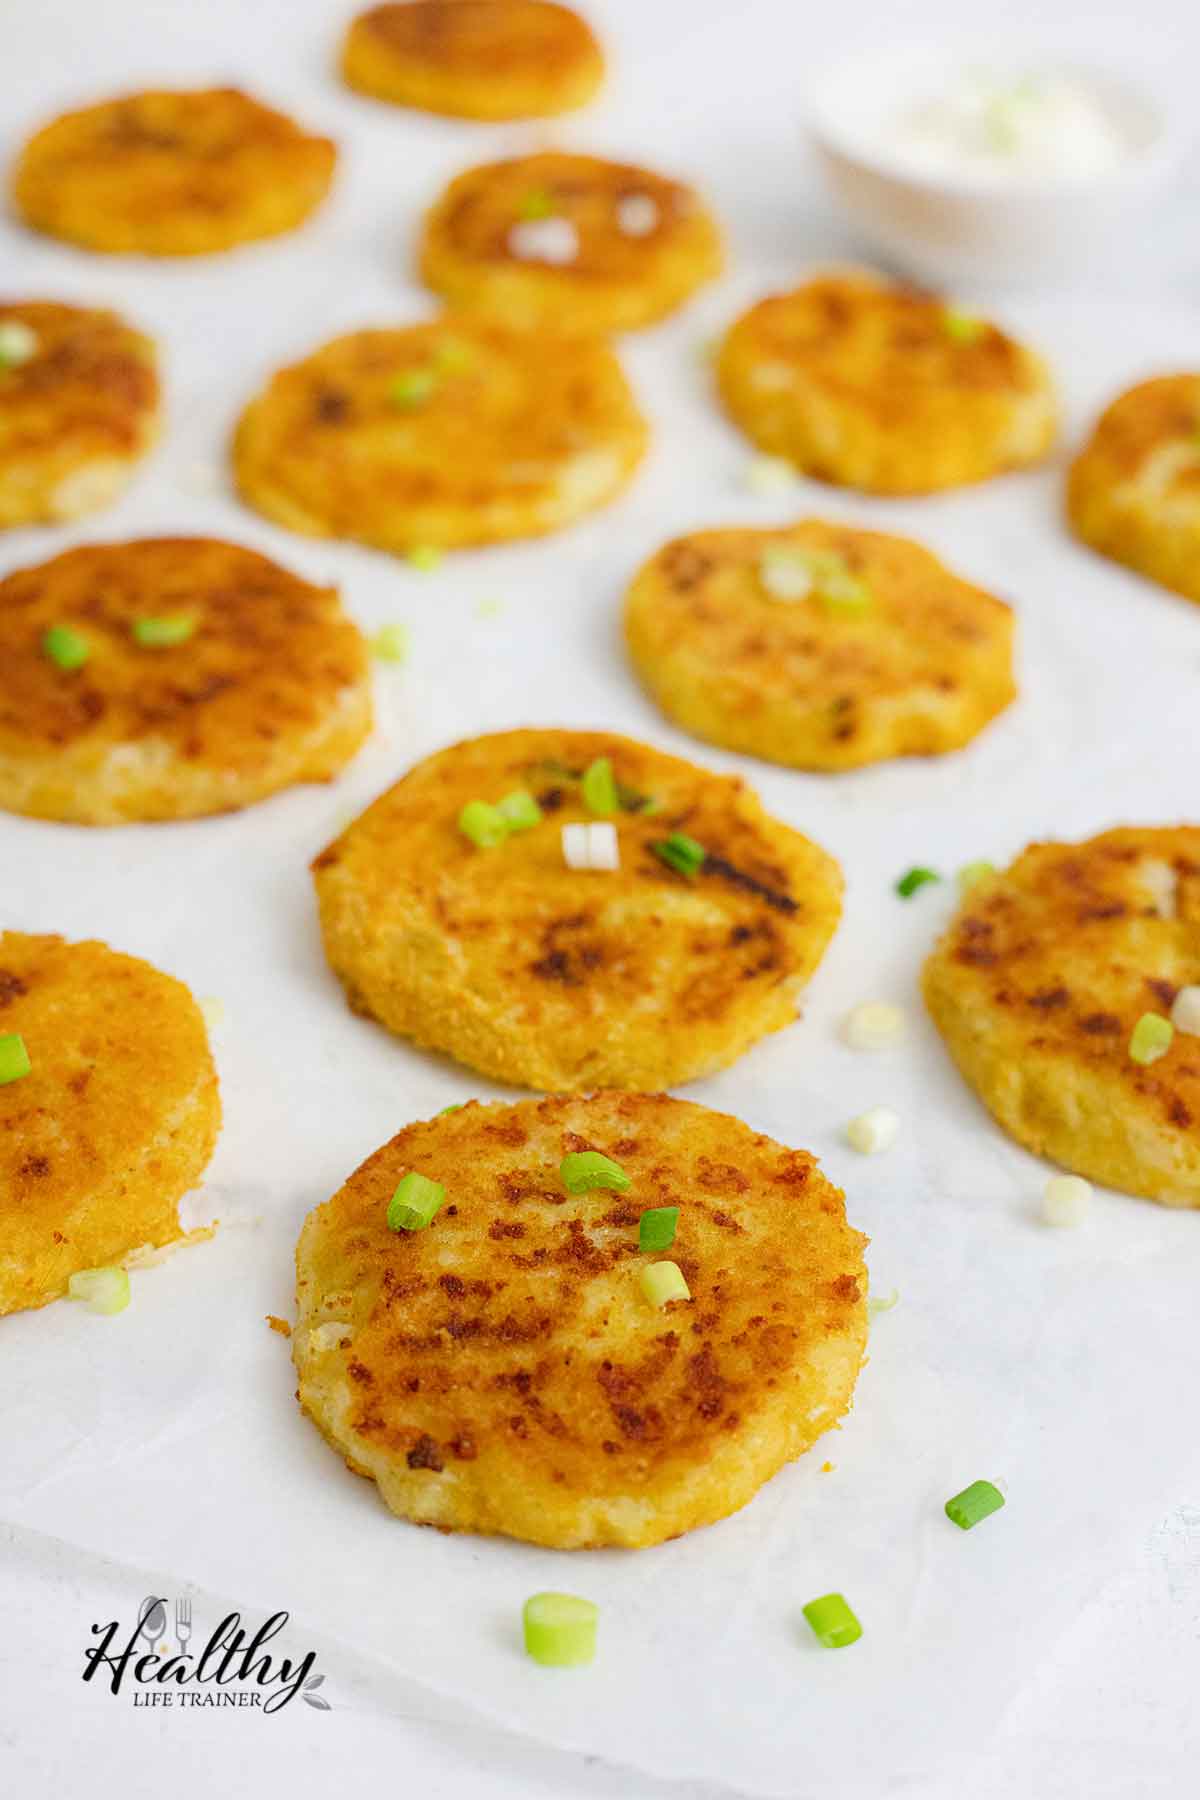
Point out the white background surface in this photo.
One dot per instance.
(1050, 1654)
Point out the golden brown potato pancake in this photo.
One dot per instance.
(172, 173)
(560, 978)
(112, 1125)
(1039, 983)
(570, 242)
(474, 59)
(502, 1371)
(269, 687)
(880, 387)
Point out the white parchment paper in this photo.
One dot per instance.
(1062, 1365)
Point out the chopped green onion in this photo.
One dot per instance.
(833, 1623)
(884, 1304)
(1151, 1038)
(786, 573)
(163, 634)
(599, 788)
(962, 327)
(681, 853)
(412, 388)
(843, 593)
(976, 1502)
(452, 356)
(519, 810)
(425, 557)
(390, 643)
(454, 1106)
(18, 342)
(656, 1227)
(973, 873)
(103, 1290)
(584, 1170)
(662, 1282)
(69, 649)
(14, 1058)
(414, 1202)
(536, 203)
(908, 884)
(485, 825)
(560, 1630)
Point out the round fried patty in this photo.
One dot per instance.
(561, 978)
(503, 1371)
(636, 244)
(114, 1122)
(883, 388)
(270, 688)
(1039, 983)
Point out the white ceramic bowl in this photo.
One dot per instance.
(948, 228)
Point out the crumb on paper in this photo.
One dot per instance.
(489, 609)
(148, 1256)
(279, 1325)
(827, 1468)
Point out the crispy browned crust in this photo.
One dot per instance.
(616, 282)
(557, 978)
(172, 173)
(474, 59)
(1037, 987)
(921, 671)
(77, 416)
(502, 1371)
(1133, 492)
(858, 382)
(272, 687)
(526, 432)
(115, 1121)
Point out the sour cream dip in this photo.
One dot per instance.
(1007, 128)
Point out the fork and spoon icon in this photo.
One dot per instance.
(152, 1621)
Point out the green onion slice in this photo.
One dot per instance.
(962, 327)
(560, 1630)
(485, 825)
(103, 1290)
(390, 643)
(843, 593)
(976, 1502)
(908, 884)
(18, 343)
(1151, 1038)
(536, 203)
(163, 634)
(519, 810)
(14, 1058)
(412, 388)
(663, 1281)
(452, 356)
(68, 649)
(425, 557)
(584, 1170)
(833, 1623)
(973, 873)
(656, 1227)
(681, 853)
(454, 1106)
(599, 788)
(414, 1202)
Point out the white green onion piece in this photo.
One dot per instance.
(662, 1282)
(103, 1290)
